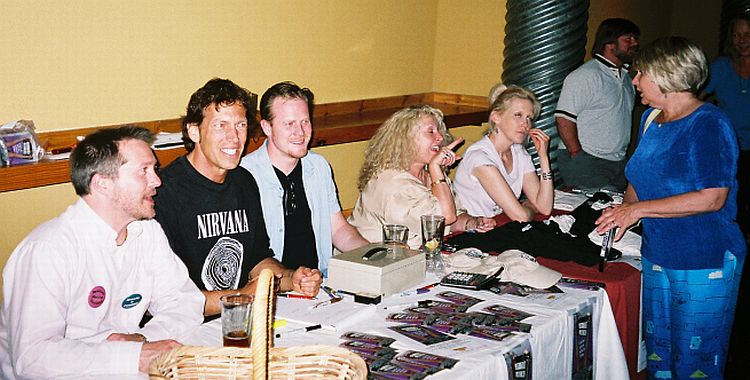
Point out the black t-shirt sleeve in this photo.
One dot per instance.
(261, 244)
(164, 205)
(170, 207)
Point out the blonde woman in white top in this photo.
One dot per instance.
(497, 168)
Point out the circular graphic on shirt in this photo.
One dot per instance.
(131, 300)
(221, 270)
(97, 296)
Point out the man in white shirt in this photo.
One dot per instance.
(75, 290)
(594, 111)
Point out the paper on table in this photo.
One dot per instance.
(58, 156)
(337, 316)
(568, 201)
(164, 140)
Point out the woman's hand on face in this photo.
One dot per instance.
(619, 216)
(541, 141)
(446, 156)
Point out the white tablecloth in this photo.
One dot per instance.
(551, 338)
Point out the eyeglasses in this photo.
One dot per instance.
(290, 203)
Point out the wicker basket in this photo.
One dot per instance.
(261, 361)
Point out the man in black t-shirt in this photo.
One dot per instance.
(210, 209)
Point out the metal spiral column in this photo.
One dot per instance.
(544, 41)
(729, 9)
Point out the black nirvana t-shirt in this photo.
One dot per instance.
(217, 229)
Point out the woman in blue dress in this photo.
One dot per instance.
(683, 190)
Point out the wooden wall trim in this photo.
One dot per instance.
(334, 123)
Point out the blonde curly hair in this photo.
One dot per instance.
(392, 146)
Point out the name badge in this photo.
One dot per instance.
(131, 301)
(97, 295)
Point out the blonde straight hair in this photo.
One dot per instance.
(501, 96)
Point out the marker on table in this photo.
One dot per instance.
(331, 293)
(299, 330)
(430, 286)
(339, 292)
(295, 295)
(60, 150)
(423, 303)
(327, 302)
(607, 240)
(421, 290)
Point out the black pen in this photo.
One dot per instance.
(299, 330)
(607, 240)
(171, 144)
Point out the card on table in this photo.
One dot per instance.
(421, 334)
(508, 314)
(459, 298)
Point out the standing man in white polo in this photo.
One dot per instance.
(595, 108)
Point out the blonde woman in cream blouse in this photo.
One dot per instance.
(403, 177)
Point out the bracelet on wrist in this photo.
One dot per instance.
(547, 176)
(439, 181)
(573, 153)
(468, 220)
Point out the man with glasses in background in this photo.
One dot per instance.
(300, 203)
(210, 209)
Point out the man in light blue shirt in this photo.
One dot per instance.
(300, 203)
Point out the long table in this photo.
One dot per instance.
(623, 286)
(557, 342)
(552, 340)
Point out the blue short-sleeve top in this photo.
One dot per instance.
(693, 153)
